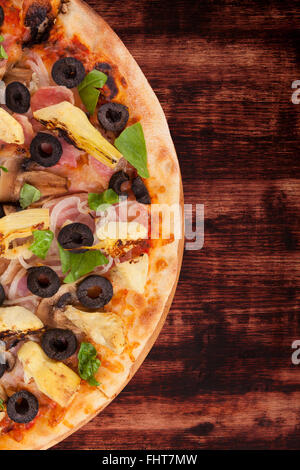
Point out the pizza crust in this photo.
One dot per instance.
(149, 310)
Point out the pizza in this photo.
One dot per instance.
(86, 273)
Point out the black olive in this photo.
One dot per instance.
(140, 191)
(110, 83)
(22, 407)
(68, 72)
(1, 16)
(17, 97)
(43, 281)
(59, 344)
(94, 291)
(2, 295)
(116, 182)
(113, 116)
(73, 236)
(40, 21)
(65, 299)
(3, 368)
(45, 149)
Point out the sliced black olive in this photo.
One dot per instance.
(43, 281)
(17, 97)
(110, 83)
(22, 407)
(68, 72)
(1, 16)
(65, 299)
(59, 344)
(45, 149)
(113, 116)
(40, 21)
(3, 368)
(116, 182)
(2, 295)
(94, 291)
(73, 236)
(140, 191)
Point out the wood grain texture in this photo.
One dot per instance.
(220, 374)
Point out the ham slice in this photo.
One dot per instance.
(70, 155)
(102, 170)
(50, 95)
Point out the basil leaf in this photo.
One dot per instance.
(79, 264)
(42, 242)
(28, 195)
(2, 405)
(88, 363)
(88, 89)
(3, 168)
(3, 54)
(1, 38)
(131, 143)
(108, 198)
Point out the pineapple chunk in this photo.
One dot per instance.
(52, 378)
(18, 320)
(133, 274)
(117, 238)
(20, 225)
(11, 130)
(75, 124)
(103, 328)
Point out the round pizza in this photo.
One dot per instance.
(89, 176)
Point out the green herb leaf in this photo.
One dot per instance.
(28, 195)
(3, 168)
(131, 143)
(88, 89)
(2, 405)
(3, 54)
(79, 264)
(88, 363)
(107, 198)
(42, 242)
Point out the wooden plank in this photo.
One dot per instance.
(220, 374)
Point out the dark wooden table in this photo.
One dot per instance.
(220, 374)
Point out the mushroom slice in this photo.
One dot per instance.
(103, 328)
(18, 320)
(19, 226)
(47, 183)
(11, 130)
(75, 125)
(54, 379)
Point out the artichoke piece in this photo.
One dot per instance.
(75, 125)
(52, 378)
(103, 328)
(20, 225)
(18, 320)
(11, 130)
